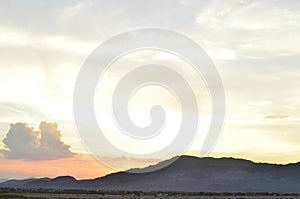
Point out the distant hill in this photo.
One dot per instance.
(3, 180)
(187, 173)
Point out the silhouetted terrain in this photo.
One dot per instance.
(187, 173)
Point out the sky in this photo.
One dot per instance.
(255, 46)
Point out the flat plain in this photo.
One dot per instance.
(133, 196)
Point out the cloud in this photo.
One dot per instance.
(276, 116)
(13, 112)
(122, 159)
(24, 142)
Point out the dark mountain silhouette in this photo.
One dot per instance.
(187, 173)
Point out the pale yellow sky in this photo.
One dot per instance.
(255, 46)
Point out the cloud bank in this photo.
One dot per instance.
(24, 142)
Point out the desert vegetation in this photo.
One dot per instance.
(10, 193)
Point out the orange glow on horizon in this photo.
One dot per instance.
(81, 166)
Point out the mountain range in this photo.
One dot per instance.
(187, 173)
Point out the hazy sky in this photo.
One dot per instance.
(255, 46)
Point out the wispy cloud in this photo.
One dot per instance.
(276, 116)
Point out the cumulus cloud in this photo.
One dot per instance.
(24, 142)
